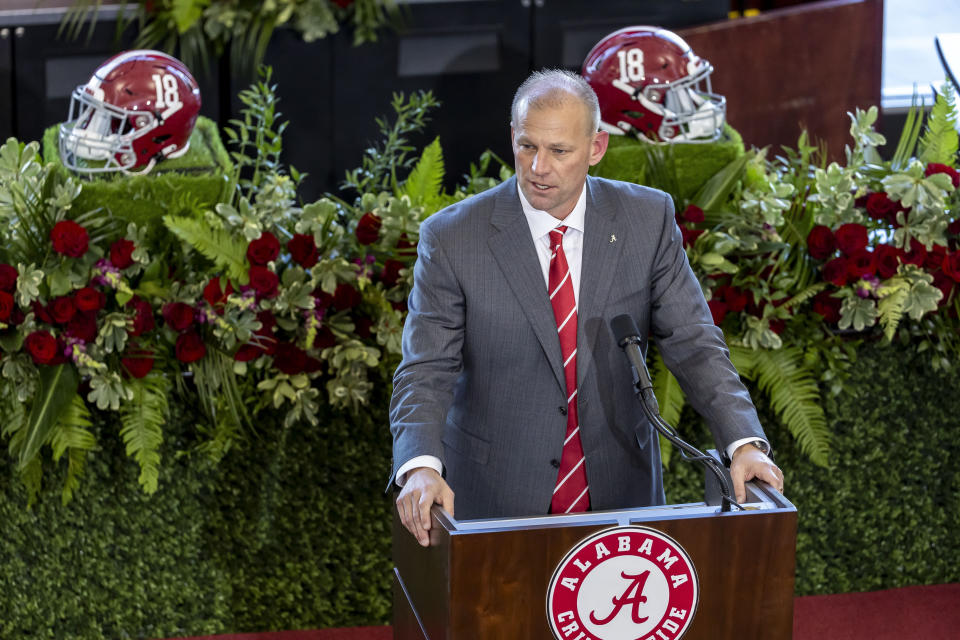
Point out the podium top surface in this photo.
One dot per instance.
(761, 499)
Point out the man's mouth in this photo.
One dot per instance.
(540, 187)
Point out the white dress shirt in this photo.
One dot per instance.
(541, 224)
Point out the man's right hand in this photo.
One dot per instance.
(424, 488)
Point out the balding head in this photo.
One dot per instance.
(552, 88)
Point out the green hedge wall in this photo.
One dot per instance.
(291, 531)
(886, 513)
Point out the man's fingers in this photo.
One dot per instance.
(739, 480)
(445, 500)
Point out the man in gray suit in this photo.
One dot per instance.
(483, 399)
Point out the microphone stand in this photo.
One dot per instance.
(648, 400)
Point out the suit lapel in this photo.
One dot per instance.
(513, 249)
(601, 252)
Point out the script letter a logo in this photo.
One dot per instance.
(632, 595)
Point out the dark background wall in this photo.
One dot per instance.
(471, 53)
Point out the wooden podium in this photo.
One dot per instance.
(488, 579)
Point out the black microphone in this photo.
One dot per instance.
(628, 338)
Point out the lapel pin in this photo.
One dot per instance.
(613, 238)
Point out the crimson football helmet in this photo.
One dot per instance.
(650, 83)
(138, 108)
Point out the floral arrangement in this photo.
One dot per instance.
(800, 260)
(258, 305)
(199, 29)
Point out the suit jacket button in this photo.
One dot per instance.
(555, 463)
(563, 410)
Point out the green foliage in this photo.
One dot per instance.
(199, 30)
(143, 419)
(73, 437)
(290, 534)
(57, 387)
(793, 395)
(382, 161)
(884, 514)
(939, 142)
(225, 250)
(425, 182)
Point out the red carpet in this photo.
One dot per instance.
(897, 614)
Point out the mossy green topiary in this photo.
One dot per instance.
(626, 159)
(196, 180)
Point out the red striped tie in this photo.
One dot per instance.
(570, 494)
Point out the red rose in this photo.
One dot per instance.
(835, 271)
(851, 238)
(690, 235)
(935, 257)
(8, 278)
(917, 254)
(881, 207)
(83, 326)
(42, 347)
(827, 306)
(735, 298)
(41, 312)
(946, 285)
(121, 254)
(777, 325)
(363, 326)
(887, 259)
(935, 167)
(62, 309)
(693, 214)
(951, 266)
(861, 264)
(391, 272)
(6, 306)
(137, 361)
(263, 249)
(264, 282)
(821, 243)
(290, 359)
(215, 296)
(143, 320)
(346, 297)
(189, 347)
(247, 352)
(89, 299)
(178, 315)
(343, 4)
(321, 298)
(69, 238)
(368, 228)
(405, 247)
(303, 249)
(718, 309)
(324, 339)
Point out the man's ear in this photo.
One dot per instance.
(598, 146)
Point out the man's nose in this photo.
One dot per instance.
(540, 165)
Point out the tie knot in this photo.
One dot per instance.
(556, 236)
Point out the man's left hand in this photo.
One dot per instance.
(748, 463)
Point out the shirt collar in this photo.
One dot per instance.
(541, 222)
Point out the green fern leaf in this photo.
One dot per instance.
(425, 182)
(892, 306)
(57, 386)
(671, 399)
(142, 432)
(805, 295)
(795, 397)
(72, 437)
(939, 141)
(670, 396)
(227, 251)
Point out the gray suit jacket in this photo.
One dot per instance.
(481, 384)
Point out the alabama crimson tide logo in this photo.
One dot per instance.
(626, 583)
